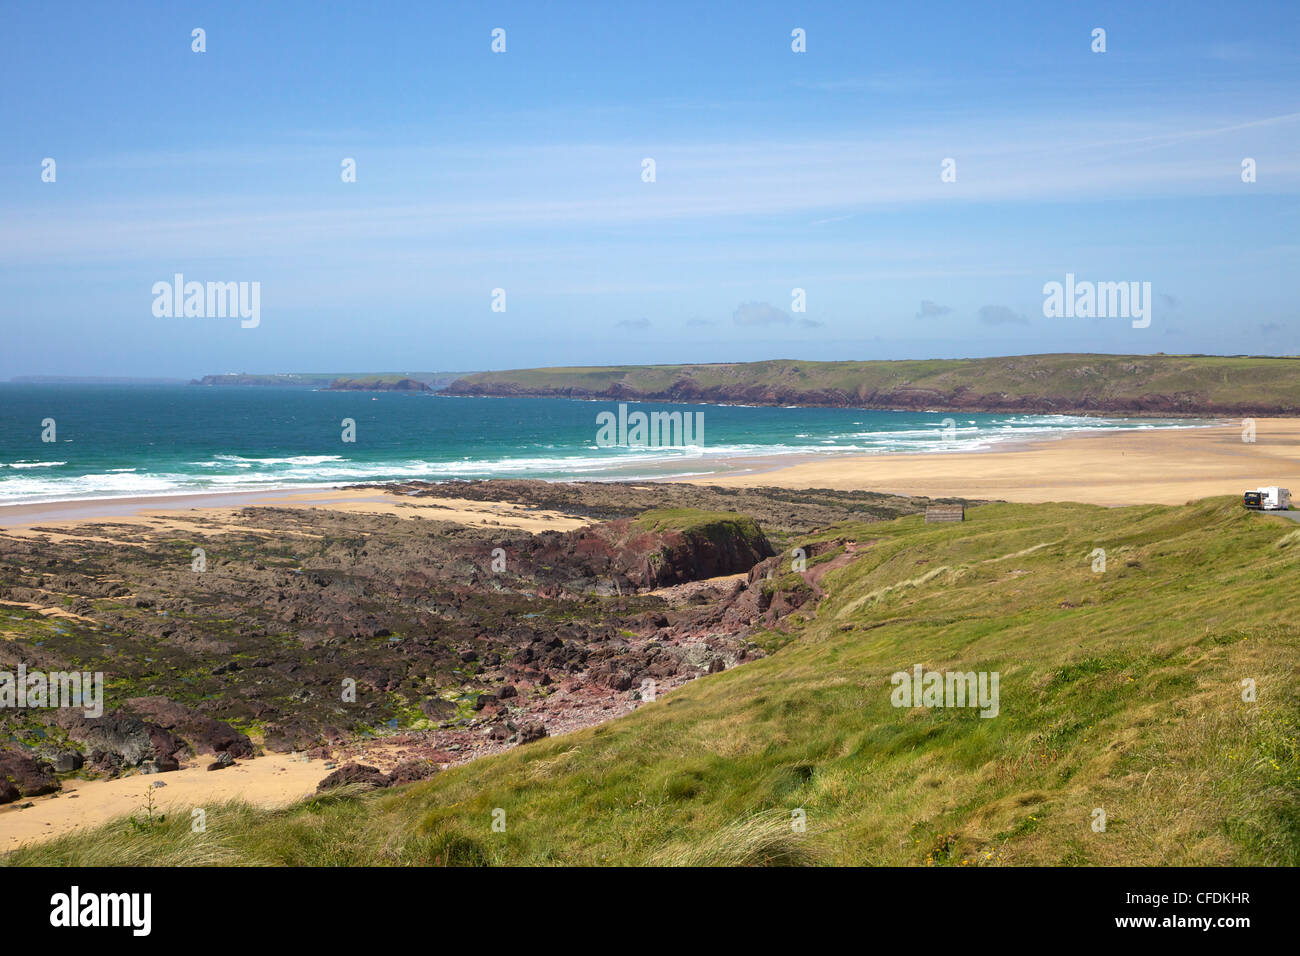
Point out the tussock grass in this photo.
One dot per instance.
(1120, 691)
(764, 839)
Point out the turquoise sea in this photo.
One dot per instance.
(126, 440)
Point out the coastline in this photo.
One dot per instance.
(1154, 466)
(894, 472)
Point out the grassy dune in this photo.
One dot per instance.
(1120, 690)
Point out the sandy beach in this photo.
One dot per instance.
(216, 512)
(1155, 466)
(1113, 468)
(270, 781)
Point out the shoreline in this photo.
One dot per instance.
(215, 513)
(21, 514)
(723, 470)
(1115, 468)
(1104, 467)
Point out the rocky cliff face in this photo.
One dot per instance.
(659, 549)
(899, 399)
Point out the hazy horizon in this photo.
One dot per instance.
(160, 378)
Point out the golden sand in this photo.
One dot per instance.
(269, 781)
(1112, 468)
(215, 513)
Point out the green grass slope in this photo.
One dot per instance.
(1119, 691)
(1066, 382)
(718, 526)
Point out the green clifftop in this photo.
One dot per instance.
(1064, 383)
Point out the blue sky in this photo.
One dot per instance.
(775, 170)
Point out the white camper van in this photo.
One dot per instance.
(1271, 498)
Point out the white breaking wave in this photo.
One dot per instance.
(225, 473)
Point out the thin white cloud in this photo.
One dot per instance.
(759, 313)
(586, 187)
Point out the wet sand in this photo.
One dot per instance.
(217, 512)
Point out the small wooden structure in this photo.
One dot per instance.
(939, 513)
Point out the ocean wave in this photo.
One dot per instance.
(23, 481)
(218, 460)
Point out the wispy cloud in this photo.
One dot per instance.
(931, 310)
(759, 313)
(584, 186)
(1001, 315)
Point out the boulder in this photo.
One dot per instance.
(160, 765)
(409, 771)
(529, 732)
(204, 734)
(22, 775)
(223, 761)
(119, 739)
(359, 774)
(66, 761)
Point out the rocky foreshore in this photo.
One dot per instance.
(396, 644)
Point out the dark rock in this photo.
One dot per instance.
(529, 732)
(223, 761)
(67, 761)
(25, 776)
(123, 739)
(160, 765)
(355, 773)
(204, 734)
(409, 771)
(435, 708)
